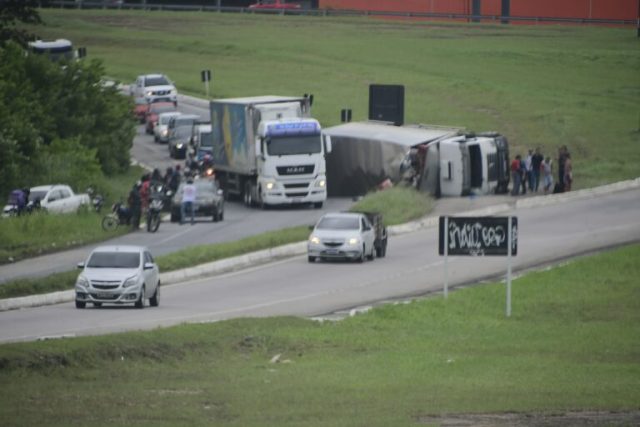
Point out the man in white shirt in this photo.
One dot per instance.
(188, 201)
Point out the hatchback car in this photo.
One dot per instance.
(181, 134)
(209, 200)
(346, 235)
(153, 113)
(118, 275)
(161, 130)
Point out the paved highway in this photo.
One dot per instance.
(294, 287)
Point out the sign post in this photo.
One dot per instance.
(206, 78)
(479, 236)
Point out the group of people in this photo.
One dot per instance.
(534, 169)
(148, 187)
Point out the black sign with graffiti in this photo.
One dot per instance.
(478, 236)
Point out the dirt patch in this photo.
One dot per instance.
(567, 419)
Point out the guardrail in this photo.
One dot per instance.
(81, 4)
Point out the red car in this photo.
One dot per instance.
(155, 108)
(140, 109)
(274, 4)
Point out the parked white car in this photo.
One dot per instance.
(118, 275)
(346, 235)
(161, 130)
(58, 198)
(152, 86)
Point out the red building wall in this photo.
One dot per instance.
(589, 9)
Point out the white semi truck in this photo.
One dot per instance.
(269, 151)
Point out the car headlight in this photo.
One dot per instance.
(165, 132)
(354, 241)
(132, 281)
(149, 93)
(82, 281)
(321, 183)
(314, 240)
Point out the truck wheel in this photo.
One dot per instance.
(317, 205)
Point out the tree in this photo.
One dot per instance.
(42, 102)
(13, 12)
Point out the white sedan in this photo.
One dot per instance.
(118, 275)
(348, 236)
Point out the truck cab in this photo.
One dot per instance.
(291, 164)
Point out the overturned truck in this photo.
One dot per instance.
(441, 161)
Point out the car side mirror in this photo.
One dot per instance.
(148, 265)
(80, 265)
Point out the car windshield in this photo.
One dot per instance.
(338, 223)
(164, 120)
(283, 146)
(156, 81)
(114, 260)
(37, 195)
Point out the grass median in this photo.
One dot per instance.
(398, 205)
(570, 345)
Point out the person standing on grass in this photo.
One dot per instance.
(562, 157)
(536, 166)
(568, 172)
(188, 201)
(515, 175)
(547, 175)
(528, 171)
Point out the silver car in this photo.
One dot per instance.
(161, 130)
(118, 275)
(342, 236)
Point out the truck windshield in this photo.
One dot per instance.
(287, 145)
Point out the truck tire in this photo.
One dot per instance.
(248, 197)
(318, 205)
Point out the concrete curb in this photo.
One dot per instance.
(294, 249)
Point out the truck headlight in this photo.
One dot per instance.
(179, 146)
(314, 240)
(321, 183)
(269, 185)
(354, 241)
(132, 281)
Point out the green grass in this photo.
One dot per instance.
(32, 235)
(541, 85)
(570, 345)
(398, 205)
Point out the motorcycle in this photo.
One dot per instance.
(96, 199)
(119, 215)
(154, 213)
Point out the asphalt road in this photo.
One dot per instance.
(294, 287)
(239, 221)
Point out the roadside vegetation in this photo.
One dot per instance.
(387, 202)
(40, 233)
(540, 85)
(570, 345)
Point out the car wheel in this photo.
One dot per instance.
(311, 258)
(372, 255)
(140, 302)
(154, 301)
(216, 216)
(361, 257)
(80, 304)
